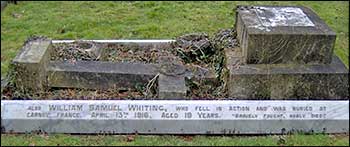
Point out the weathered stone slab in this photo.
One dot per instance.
(233, 57)
(284, 81)
(171, 80)
(171, 87)
(276, 34)
(99, 75)
(175, 117)
(30, 64)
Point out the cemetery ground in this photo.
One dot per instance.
(148, 20)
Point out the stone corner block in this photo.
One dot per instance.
(30, 64)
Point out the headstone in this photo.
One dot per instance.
(278, 34)
(174, 117)
(285, 53)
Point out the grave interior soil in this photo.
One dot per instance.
(92, 51)
(193, 50)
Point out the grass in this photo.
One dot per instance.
(165, 140)
(140, 20)
(147, 20)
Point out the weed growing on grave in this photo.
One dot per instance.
(194, 48)
(197, 49)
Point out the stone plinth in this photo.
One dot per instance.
(171, 87)
(30, 64)
(274, 34)
(289, 81)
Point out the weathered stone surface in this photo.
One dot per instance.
(171, 87)
(233, 57)
(99, 75)
(275, 34)
(30, 64)
(171, 81)
(175, 117)
(284, 81)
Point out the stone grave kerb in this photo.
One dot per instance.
(169, 73)
(30, 64)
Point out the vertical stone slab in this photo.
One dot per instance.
(30, 64)
(171, 80)
(249, 82)
(276, 34)
(171, 87)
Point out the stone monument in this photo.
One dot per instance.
(281, 78)
(285, 53)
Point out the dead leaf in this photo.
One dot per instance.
(130, 138)
(188, 138)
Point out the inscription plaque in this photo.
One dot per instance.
(174, 117)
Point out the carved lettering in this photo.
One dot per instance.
(279, 108)
(202, 108)
(239, 108)
(239, 115)
(302, 108)
(65, 107)
(104, 108)
(37, 114)
(259, 108)
(145, 107)
(208, 115)
(68, 115)
(170, 115)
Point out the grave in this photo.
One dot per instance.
(276, 73)
(175, 116)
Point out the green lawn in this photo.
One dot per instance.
(292, 140)
(147, 20)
